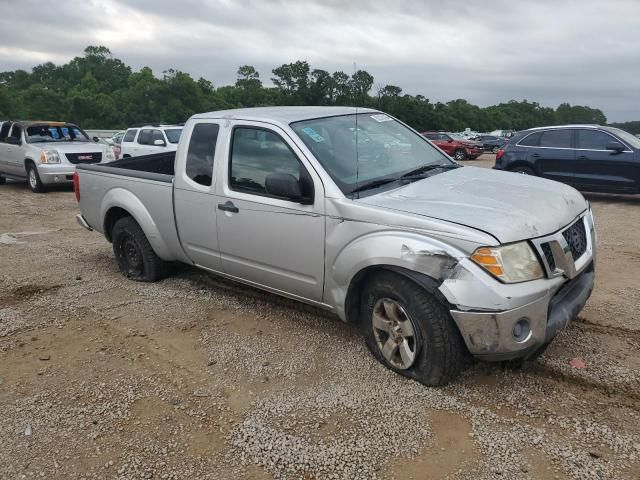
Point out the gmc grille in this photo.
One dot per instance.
(94, 157)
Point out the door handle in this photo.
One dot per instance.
(536, 155)
(583, 157)
(228, 207)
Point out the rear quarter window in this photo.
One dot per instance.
(531, 140)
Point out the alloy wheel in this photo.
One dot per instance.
(394, 333)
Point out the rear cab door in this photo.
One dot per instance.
(600, 169)
(195, 192)
(274, 242)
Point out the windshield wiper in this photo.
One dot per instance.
(425, 168)
(373, 184)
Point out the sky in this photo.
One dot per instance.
(551, 51)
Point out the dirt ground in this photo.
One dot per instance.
(197, 377)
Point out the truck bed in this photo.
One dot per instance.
(158, 166)
(143, 188)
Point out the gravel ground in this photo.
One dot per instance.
(198, 377)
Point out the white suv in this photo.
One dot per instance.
(150, 139)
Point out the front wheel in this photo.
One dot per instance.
(460, 155)
(134, 254)
(33, 177)
(3, 180)
(410, 331)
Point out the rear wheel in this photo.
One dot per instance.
(33, 178)
(523, 170)
(410, 331)
(460, 154)
(134, 254)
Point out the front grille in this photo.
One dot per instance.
(94, 157)
(548, 254)
(576, 237)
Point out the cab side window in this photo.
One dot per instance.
(4, 131)
(593, 139)
(145, 137)
(157, 135)
(202, 149)
(130, 135)
(556, 139)
(256, 153)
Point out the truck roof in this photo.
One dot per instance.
(283, 114)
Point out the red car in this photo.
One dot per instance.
(457, 148)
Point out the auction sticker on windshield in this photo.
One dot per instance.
(311, 133)
(381, 117)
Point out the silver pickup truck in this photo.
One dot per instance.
(354, 212)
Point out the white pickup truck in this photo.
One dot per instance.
(46, 153)
(354, 212)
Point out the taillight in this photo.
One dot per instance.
(76, 185)
(499, 154)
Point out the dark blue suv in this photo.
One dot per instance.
(587, 157)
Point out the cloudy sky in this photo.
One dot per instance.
(583, 51)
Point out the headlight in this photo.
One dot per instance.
(509, 263)
(49, 156)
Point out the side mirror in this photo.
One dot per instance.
(96, 139)
(14, 141)
(615, 146)
(159, 143)
(283, 185)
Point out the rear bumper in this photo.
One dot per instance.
(491, 335)
(61, 173)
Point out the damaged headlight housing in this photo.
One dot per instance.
(511, 263)
(49, 156)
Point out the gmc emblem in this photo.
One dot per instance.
(85, 157)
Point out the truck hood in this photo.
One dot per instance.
(506, 205)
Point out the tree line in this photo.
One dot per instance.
(97, 90)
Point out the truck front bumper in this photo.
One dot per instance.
(521, 331)
(56, 173)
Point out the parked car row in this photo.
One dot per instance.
(587, 157)
(458, 148)
(45, 153)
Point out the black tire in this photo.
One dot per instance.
(494, 150)
(33, 179)
(3, 180)
(134, 254)
(523, 170)
(439, 352)
(460, 155)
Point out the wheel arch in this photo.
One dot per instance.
(523, 163)
(358, 282)
(119, 203)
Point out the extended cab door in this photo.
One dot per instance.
(265, 239)
(194, 194)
